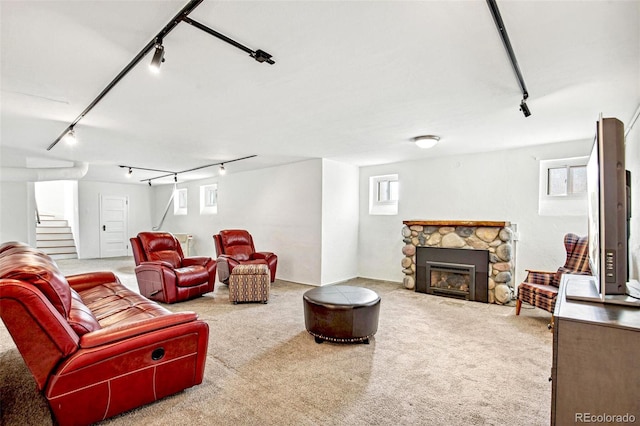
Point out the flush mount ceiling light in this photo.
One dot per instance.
(426, 141)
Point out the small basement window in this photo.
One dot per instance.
(563, 187)
(209, 199)
(383, 195)
(180, 202)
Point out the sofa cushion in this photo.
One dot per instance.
(113, 304)
(40, 271)
(81, 319)
(191, 275)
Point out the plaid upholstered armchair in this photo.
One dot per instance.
(540, 288)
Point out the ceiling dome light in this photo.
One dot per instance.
(426, 141)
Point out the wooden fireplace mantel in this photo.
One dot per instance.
(469, 223)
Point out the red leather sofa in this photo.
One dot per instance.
(94, 347)
(164, 274)
(235, 247)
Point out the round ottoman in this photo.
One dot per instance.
(340, 313)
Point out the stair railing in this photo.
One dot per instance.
(166, 210)
(37, 214)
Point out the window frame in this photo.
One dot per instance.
(205, 191)
(379, 206)
(569, 204)
(180, 201)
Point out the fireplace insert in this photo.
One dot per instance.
(459, 273)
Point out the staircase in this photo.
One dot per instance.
(54, 237)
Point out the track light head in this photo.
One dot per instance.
(222, 171)
(175, 177)
(70, 137)
(158, 58)
(149, 183)
(130, 172)
(262, 56)
(524, 108)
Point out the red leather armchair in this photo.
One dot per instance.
(235, 247)
(94, 347)
(164, 274)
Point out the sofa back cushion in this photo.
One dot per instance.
(161, 246)
(29, 265)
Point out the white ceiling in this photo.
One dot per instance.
(353, 81)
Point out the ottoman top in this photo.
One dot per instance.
(342, 295)
(251, 269)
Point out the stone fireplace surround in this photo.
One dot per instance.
(495, 237)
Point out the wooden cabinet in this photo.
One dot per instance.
(596, 361)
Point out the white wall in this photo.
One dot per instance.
(280, 206)
(500, 186)
(17, 212)
(633, 164)
(51, 197)
(339, 222)
(140, 208)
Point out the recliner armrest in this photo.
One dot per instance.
(113, 334)
(156, 264)
(262, 255)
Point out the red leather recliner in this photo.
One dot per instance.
(164, 274)
(94, 347)
(235, 247)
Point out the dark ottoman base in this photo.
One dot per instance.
(341, 313)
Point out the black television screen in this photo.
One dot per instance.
(607, 212)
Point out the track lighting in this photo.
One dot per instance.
(262, 56)
(167, 173)
(524, 108)
(70, 137)
(158, 57)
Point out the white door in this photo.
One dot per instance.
(114, 217)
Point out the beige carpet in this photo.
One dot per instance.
(434, 361)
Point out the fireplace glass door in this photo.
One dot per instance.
(451, 279)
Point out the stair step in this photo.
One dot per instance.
(53, 222)
(53, 229)
(54, 236)
(64, 256)
(59, 250)
(55, 243)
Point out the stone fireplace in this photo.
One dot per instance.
(472, 260)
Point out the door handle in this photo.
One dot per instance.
(104, 227)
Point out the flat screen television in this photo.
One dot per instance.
(608, 210)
